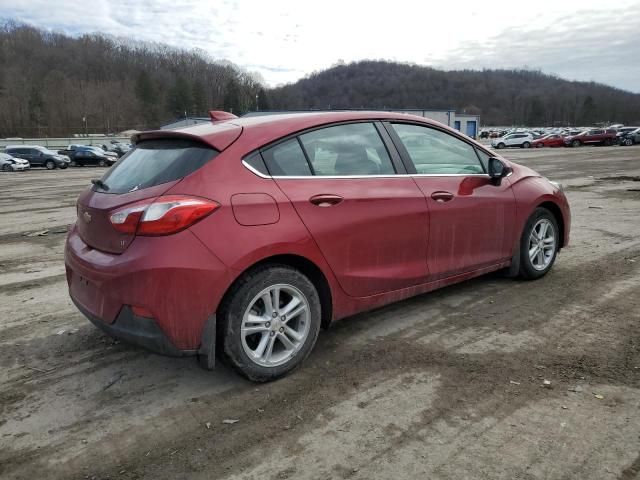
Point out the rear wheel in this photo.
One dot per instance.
(269, 322)
(49, 164)
(501, 145)
(608, 142)
(539, 244)
(540, 145)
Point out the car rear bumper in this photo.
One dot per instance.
(140, 331)
(176, 279)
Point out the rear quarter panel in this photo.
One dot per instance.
(241, 246)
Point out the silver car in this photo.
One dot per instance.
(12, 164)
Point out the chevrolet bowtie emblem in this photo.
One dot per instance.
(87, 217)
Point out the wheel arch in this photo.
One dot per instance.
(308, 268)
(557, 213)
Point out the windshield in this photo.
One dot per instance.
(153, 162)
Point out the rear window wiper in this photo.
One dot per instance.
(99, 183)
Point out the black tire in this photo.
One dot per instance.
(526, 145)
(540, 145)
(527, 270)
(575, 143)
(500, 146)
(50, 164)
(608, 142)
(7, 168)
(233, 307)
(628, 142)
(102, 163)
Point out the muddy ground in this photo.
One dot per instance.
(447, 385)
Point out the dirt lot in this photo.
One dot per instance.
(446, 385)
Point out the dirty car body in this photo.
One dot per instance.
(248, 234)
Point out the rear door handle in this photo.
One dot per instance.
(326, 200)
(442, 197)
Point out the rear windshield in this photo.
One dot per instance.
(153, 162)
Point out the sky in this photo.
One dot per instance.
(284, 40)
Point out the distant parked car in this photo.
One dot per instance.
(94, 156)
(522, 140)
(553, 140)
(79, 156)
(116, 147)
(629, 137)
(38, 156)
(12, 164)
(593, 136)
(71, 150)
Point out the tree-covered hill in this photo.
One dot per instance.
(503, 97)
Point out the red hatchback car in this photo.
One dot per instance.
(551, 140)
(247, 235)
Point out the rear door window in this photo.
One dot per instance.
(351, 149)
(287, 159)
(153, 162)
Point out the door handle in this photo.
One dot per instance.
(442, 197)
(326, 200)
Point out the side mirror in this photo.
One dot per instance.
(498, 169)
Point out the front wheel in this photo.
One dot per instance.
(269, 322)
(526, 145)
(50, 165)
(628, 142)
(539, 244)
(102, 163)
(7, 168)
(575, 143)
(501, 145)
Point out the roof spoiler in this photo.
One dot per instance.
(220, 115)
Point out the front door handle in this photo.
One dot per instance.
(442, 197)
(326, 200)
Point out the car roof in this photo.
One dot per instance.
(260, 130)
(10, 147)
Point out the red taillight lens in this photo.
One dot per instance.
(164, 216)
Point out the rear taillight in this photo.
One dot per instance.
(162, 216)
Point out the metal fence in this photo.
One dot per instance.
(59, 143)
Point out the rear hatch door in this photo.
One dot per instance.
(146, 172)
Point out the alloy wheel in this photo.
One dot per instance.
(275, 325)
(542, 244)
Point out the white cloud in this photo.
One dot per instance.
(286, 39)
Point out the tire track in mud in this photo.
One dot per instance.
(337, 370)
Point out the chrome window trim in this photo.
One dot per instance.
(396, 175)
(254, 171)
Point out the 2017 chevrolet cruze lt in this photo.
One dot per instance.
(245, 236)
